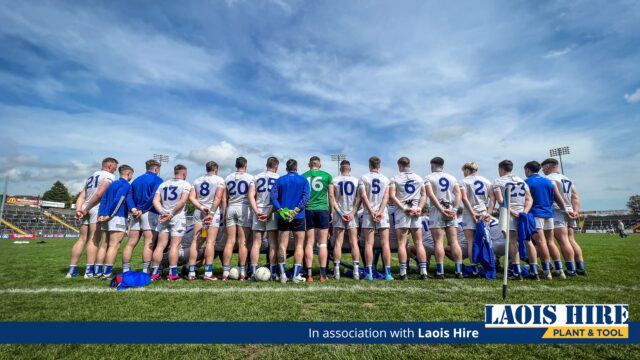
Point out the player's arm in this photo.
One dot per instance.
(422, 202)
(383, 204)
(96, 197)
(497, 198)
(217, 200)
(181, 203)
(130, 203)
(492, 200)
(458, 195)
(575, 202)
(394, 198)
(119, 200)
(331, 202)
(432, 197)
(355, 208)
(193, 198)
(252, 198)
(558, 198)
(528, 202)
(79, 202)
(467, 203)
(104, 209)
(273, 194)
(157, 203)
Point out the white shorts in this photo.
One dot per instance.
(238, 215)
(406, 222)
(341, 224)
(438, 221)
(469, 221)
(117, 223)
(544, 223)
(368, 223)
(92, 216)
(269, 225)
(175, 227)
(561, 220)
(513, 223)
(147, 221)
(198, 216)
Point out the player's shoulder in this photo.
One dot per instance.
(414, 176)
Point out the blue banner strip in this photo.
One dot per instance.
(282, 333)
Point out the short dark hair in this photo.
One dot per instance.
(292, 165)
(314, 158)
(533, 166)
(550, 161)
(345, 162)
(150, 164)
(124, 168)
(506, 165)
(109, 160)
(178, 168)
(437, 161)
(211, 166)
(272, 162)
(404, 161)
(374, 162)
(241, 162)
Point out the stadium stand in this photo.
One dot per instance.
(32, 220)
(603, 222)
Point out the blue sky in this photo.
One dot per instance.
(201, 80)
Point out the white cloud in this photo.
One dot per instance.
(633, 97)
(222, 152)
(559, 53)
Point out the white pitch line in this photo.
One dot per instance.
(329, 288)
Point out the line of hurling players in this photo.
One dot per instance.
(302, 215)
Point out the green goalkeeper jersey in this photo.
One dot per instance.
(319, 182)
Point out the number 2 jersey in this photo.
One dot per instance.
(170, 193)
(206, 187)
(518, 190)
(238, 188)
(375, 185)
(345, 188)
(93, 184)
(477, 189)
(263, 183)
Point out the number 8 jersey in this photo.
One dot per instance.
(206, 187)
(170, 193)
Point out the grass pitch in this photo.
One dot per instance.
(33, 288)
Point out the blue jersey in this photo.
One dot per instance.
(113, 202)
(143, 188)
(543, 196)
(291, 191)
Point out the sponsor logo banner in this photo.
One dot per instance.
(22, 236)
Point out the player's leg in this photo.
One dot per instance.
(386, 251)
(309, 243)
(272, 237)
(76, 252)
(438, 246)
(369, 240)
(562, 236)
(254, 255)
(540, 239)
(299, 237)
(115, 240)
(456, 250)
(193, 250)
(421, 253)
(532, 259)
(577, 252)
(228, 250)
(127, 252)
(102, 253)
(514, 256)
(338, 233)
(92, 249)
(355, 251)
(470, 234)
(243, 234)
(158, 252)
(174, 255)
(323, 238)
(283, 243)
(209, 253)
(150, 240)
(401, 234)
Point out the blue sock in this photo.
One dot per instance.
(571, 266)
(73, 270)
(156, 270)
(108, 269)
(545, 266)
(98, 269)
(323, 271)
(283, 269)
(274, 269)
(192, 268)
(458, 267)
(580, 265)
(173, 270)
(296, 270)
(474, 268)
(439, 268)
(89, 270)
(370, 270)
(515, 268)
(387, 269)
(533, 268)
(557, 264)
(254, 268)
(226, 268)
(208, 268)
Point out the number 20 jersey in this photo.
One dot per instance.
(238, 188)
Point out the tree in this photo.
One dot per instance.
(634, 204)
(58, 192)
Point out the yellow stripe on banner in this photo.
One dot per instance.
(587, 332)
(57, 219)
(13, 227)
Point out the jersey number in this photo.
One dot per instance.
(444, 184)
(204, 189)
(316, 183)
(375, 186)
(170, 193)
(92, 181)
(347, 187)
(514, 191)
(566, 186)
(242, 187)
(480, 188)
(409, 188)
(261, 184)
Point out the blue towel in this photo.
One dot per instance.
(483, 251)
(526, 230)
(130, 279)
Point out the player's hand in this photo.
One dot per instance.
(487, 217)
(514, 213)
(345, 217)
(205, 209)
(573, 215)
(207, 220)
(79, 214)
(408, 211)
(476, 217)
(165, 217)
(262, 217)
(417, 212)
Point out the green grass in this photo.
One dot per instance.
(612, 264)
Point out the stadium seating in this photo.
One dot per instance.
(600, 223)
(32, 220)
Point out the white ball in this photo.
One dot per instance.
(234, 273)
(263, 274)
